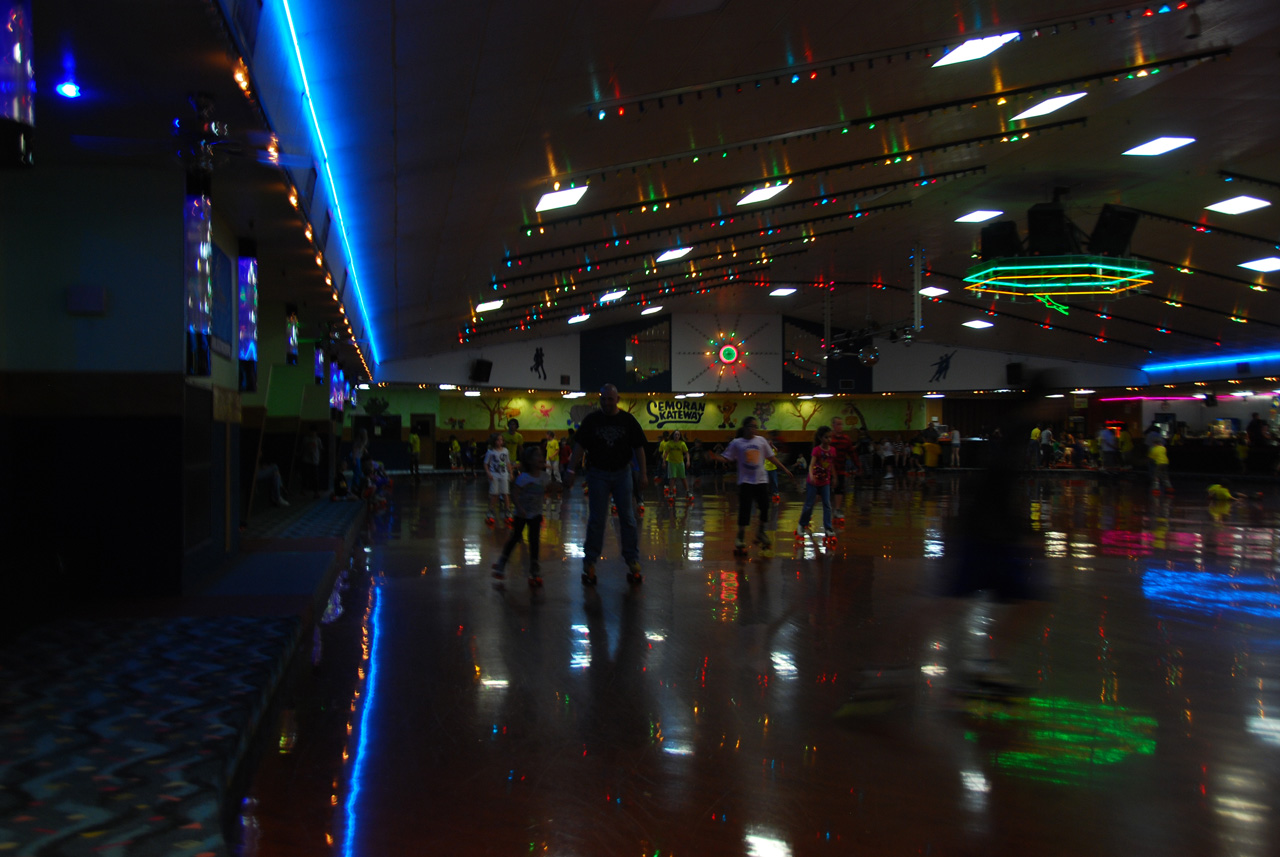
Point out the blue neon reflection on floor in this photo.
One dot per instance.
(1232, 597)
(357, 766)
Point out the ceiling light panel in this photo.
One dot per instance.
(677, 253)
(1238, 205)
(1049, 105)
(933, 291)
(561, 198)
(978, 324)
(1266, 266)
(763, 193)
(650, 310)
(782, 292)
(1160, 145)
(975, 49)
(979, 216)
(489, 305)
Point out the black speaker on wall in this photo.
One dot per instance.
(1000, 240)
(1113, 231)
(480, 370)
(1013, 374)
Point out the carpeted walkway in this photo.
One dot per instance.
(122, 734)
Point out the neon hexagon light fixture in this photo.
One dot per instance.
(1053, 276)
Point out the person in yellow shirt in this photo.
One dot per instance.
(675, 452)
(553, 455)
(415, 453)
(1159, 458)
(1221, 500)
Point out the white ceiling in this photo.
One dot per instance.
(446, 122)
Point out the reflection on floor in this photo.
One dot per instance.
(696, 714)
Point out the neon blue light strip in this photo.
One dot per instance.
(357, 765)
(1216, 361)
(333, 188)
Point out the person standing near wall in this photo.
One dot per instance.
(843, 445)
(415, 454)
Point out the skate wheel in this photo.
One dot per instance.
(535, 582)
(635, 578)
(588, 579)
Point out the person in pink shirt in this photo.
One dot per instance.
(822, 463)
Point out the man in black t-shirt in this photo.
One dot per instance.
(610, 439)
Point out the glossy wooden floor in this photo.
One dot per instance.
(695, 714)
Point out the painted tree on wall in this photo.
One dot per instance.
(911, 412)
(851, 409)
(798, 410)
(504, 408)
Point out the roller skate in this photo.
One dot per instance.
(802, 531)
(489, 521)
(634, 577)
(511, 522)
(829, 538)
(499, 570)
(765, 543)
(777, 498)
(535, 577)
(640, 509)
(589, 574)
(688, 499)
(740, 547)
(613, 509)
(838, 520)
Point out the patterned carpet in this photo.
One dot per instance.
(120, 735)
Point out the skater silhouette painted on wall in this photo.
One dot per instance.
(537, 368)
(942, 366)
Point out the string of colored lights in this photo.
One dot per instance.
(754, 211)
(651, 268)
(811, 71)
(1133, 71)
(1229, 176)
(1205, 228)
(555, 311)
(662, 203)
(757, 232)
(1191, 269)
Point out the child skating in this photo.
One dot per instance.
(750, 452)
(822, 462)
(531, 487)
(497, 464)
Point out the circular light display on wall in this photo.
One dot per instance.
(728, 353)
